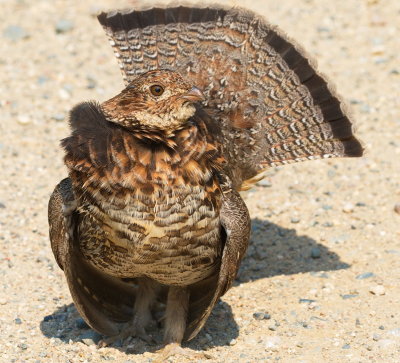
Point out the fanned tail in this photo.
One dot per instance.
(271, 104)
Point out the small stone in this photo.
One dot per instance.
(381, 327)
(42, 79)
(15, 33)
(397, 208)
(348, 208)
(365, 275)
(339, 239)
(346, 346)
(58, 117)
(348, 296)
(91, 82)
(23, 346)
(64, 95)
(90, 337)
(307, 301)
(18, 321)
(3, 301)
(261, 316)
(377, 290)
(264, 183)
(327, 224)
(63, 26)
(376, 337)
(295, 220)
(315, 252)
(233, 342)
(272, 327)
(360, 204)
(81, 324)
(23, 119)
(2, 205)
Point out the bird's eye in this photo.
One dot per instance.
(156, 90)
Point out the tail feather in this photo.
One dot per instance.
(271, 104)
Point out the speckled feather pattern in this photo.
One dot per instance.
(274, 108)
(146, 209)
(155, 178)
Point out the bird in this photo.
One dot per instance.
(151, 209)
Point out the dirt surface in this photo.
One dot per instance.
(321, 279)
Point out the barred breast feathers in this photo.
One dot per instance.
(106, 158)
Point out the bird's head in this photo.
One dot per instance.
(156, 100)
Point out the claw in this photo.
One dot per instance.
(128, 332)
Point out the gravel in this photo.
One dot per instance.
(348, 209)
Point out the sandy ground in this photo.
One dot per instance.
(321, 278)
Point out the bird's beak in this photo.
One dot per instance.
(194, 95)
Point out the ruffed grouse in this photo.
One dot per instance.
(151, 208)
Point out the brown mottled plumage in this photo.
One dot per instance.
(151, 202)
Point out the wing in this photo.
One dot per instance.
(102, 301)
(271, 104)
(235, 220)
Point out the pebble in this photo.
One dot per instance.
(265, 183)
(233, 342)
(91, 82)
(63, 26)
(64, 95)
(23, 119)
(2, 205)
(295, 220)
(397, 208)
(58, 117)
(323, 275)
(348, 296)
(90, 337)
(315, 252)
(365, 275)
(3, 301)
(339, 239)
(346, 346)
(23, 346)
(376, 337)
(377, 290)
(307, 301)
(348, 208)
(15, 33)
(261, 316)
(18, 321)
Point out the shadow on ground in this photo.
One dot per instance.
(273, 251)
(66, 325)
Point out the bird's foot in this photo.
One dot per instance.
(127, 332)
(175, 349)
